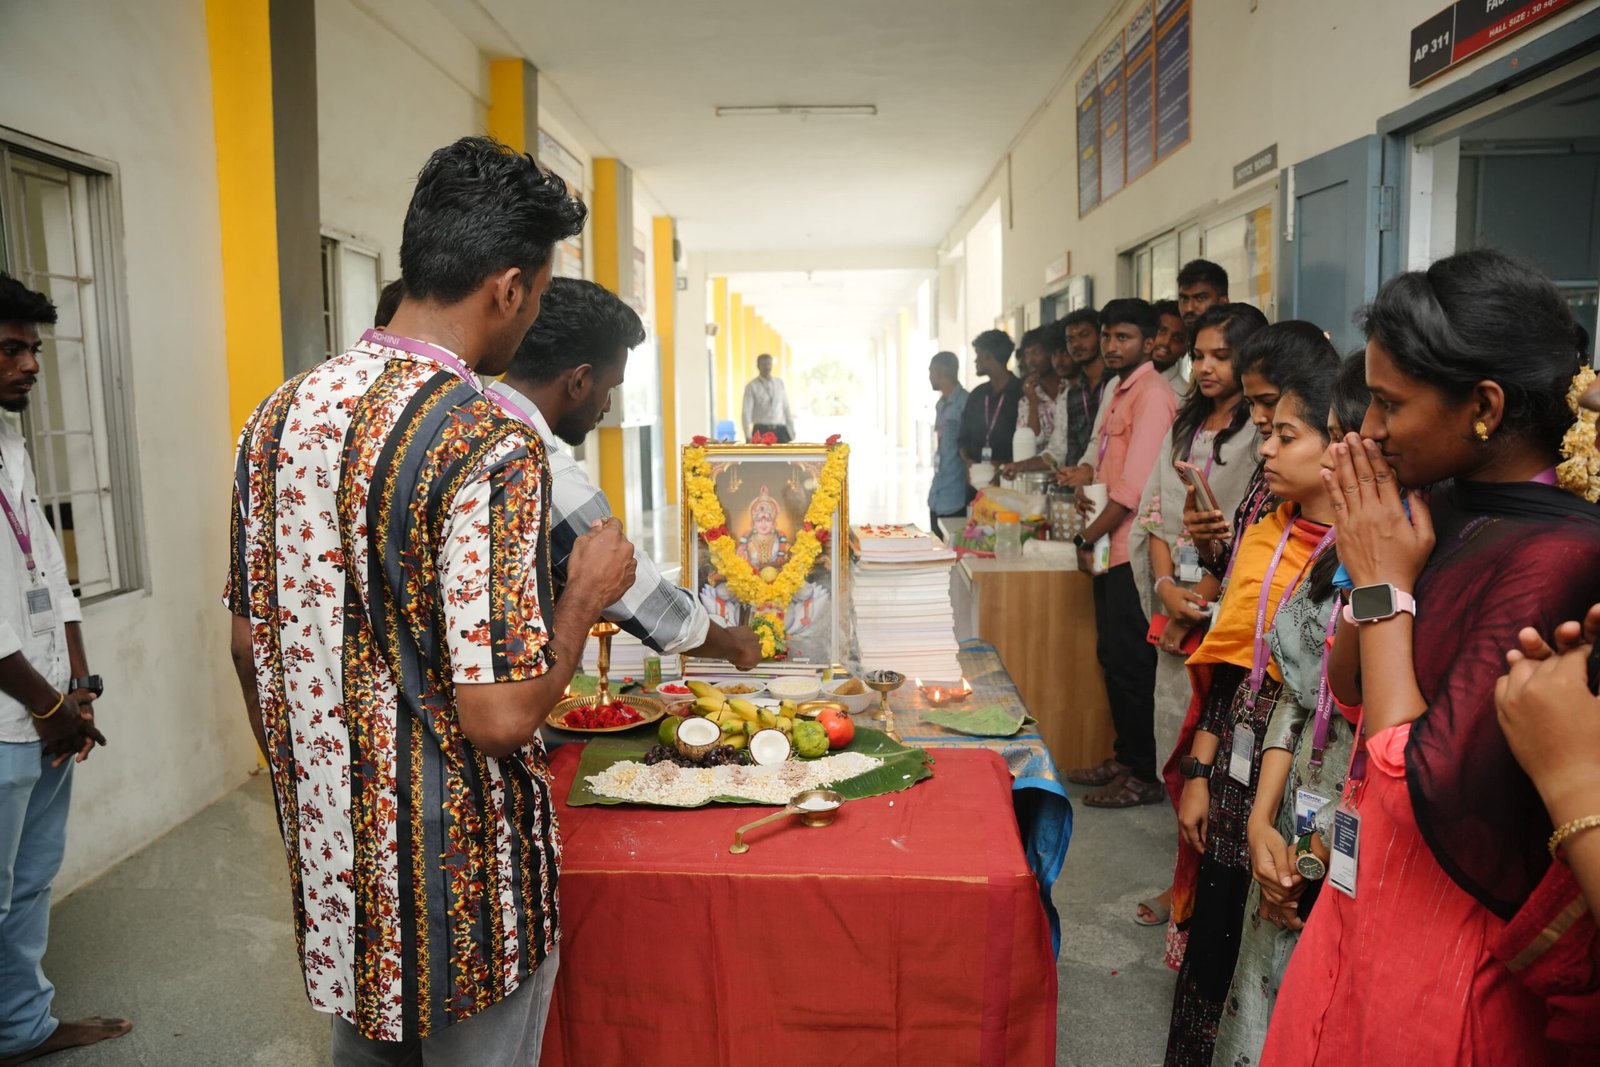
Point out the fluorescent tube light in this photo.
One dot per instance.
(803, 110)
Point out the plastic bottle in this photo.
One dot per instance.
(1008, 536)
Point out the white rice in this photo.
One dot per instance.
(687, 787)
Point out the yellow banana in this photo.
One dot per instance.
(706, 689)
(744, 709)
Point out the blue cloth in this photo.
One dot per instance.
(33, 837)
(948, 493)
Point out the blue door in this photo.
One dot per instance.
(1329, 251)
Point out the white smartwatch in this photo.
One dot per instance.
(1374, 603)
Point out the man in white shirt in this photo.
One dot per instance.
(766, 405)
(560, 383)
(46, 724)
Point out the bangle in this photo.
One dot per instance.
(60, 700)
(1571, 829)
(1163, 578)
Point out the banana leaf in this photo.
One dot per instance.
(902, 768)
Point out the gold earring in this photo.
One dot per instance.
(1481, 428)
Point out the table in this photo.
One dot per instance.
(910, 931)
(1039, 615)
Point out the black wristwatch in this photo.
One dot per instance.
(1190, 767)
(1077, 539)
(92, 683)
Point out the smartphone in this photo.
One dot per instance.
(1195, 479)
(1594, 669)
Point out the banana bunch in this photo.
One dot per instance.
(740, 719)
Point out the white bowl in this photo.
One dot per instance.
(856, 702)
(796, 689)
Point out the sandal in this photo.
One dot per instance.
(1159, 913)
(1128, 792)
(1103, 773)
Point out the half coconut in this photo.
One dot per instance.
(696, 737)
(768, 748)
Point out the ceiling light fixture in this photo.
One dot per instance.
(803, 110)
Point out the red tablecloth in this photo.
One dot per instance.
(908, 932)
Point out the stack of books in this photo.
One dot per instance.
(900, 597)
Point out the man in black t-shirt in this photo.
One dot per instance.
(990, 419)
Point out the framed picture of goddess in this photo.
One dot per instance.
(763, 527)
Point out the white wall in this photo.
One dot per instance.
(395, 81)
(132, 84)
(1310, 76)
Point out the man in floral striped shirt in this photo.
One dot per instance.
(398, 644)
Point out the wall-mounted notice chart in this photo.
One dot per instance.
(1140, 81)
(1133, 101)
(1113, 134)
(1089, 141)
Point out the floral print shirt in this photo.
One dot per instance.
(389, 543)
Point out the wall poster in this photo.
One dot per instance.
(1113, 133)
(554, 157)
(1140, 90)
(1133, 101)
(1089, 141)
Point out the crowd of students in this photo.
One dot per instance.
(1306, 667)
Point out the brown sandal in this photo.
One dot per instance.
(1103, 773)
(1127, 793)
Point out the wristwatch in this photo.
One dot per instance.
(1190, 767)
(1311, 868)
(92, 683)
(1077, 539)
(1374, 603)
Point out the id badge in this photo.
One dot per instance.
(1244, 746)
(988, 454)
(1189, 570)
(1306, 806)
(40, 611)
(1346, 848)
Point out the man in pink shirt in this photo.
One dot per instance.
(1126, 449)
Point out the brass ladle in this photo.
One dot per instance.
(817, 817)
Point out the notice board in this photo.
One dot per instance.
(1133, 101)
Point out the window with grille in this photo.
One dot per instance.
(350, 288)
(60, 223)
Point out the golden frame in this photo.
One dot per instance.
(837, 554)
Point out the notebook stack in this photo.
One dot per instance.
(900, 595)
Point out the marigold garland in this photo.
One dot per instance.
(1580, 473)
(771, 596)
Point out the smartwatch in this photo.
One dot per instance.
(1311, 868)
(1190, 767)
(1375, 603)
(1083, 546)
(92, 683)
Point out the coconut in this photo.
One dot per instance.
(697, 736)
(768, 748)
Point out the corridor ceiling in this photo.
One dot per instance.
(954, 81)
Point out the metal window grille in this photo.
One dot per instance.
(60, 227)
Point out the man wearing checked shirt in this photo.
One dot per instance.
(560, 383)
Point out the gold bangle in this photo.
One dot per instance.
(60, 700)
(1571, 829)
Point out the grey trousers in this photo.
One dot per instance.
(509, 1034)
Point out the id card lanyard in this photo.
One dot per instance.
(1187, 556)
(450, 362)
(988, 436)
(1324, 714)
(22, 528)
(1346, 851)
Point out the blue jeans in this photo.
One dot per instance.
(34, 798)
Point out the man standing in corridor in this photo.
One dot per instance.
(766, 405)
(398, 641)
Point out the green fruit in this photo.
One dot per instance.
(810, 739)
(667, 732)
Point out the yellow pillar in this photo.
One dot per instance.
(608, 272)
(723, 345)
(513, 84)
(666, 302)
(736, 376)
(239, 35)
(751, 328)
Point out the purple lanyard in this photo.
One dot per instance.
(20, 528)
(988, 437)
(1255, 515)
(1319, 735)
(1258, 670)
(449, 361)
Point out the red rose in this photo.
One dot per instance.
(831, 441)
(700, 439)
(807, 526)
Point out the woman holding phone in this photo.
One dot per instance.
(1212, 433)
(1440, 839)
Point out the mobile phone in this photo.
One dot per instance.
(1594, 669)
(1195, 479)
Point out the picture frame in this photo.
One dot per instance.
(764, 492)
